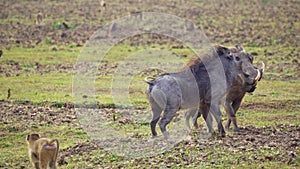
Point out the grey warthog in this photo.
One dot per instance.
(203, 83)
(231, 101)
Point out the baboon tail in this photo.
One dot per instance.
(57, 148)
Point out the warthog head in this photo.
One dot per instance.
(243, 64)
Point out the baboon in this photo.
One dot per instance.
(39, 19)
(103, 5)
(42, 151)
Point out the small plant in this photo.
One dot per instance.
(275, 41)
(73, 45)
(253, 45)
(266, 1)
(143, 123)
(6, 144)
(58, 25)
(240, 113)
(47, 40)
(58, 104)
(62, 24)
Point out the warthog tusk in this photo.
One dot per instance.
(263, 66)
(258, 75)
(241, 78)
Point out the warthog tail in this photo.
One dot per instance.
(149, 80)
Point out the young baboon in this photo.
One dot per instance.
(39, 19)
(103, 5)
(42, 151)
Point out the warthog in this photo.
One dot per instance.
(231, 100)
(200, 84)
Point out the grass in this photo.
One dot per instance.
(56, 88)
(51, 87)
(42, 54)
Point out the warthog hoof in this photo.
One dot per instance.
(154, 136)
(166, 135)
(189, 132)
(223, 134)
(227, 125)
(236, 130)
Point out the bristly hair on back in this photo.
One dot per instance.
(196, 61)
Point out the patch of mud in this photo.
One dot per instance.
(80, 149)
(32, 116)
(289, 105)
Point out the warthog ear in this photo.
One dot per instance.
(221, 50)
(240, 48)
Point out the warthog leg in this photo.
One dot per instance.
(218, 116)
(187, 116)
(235, 105)
(195, 114)
(153, 124)
(208, 118)
(169, 113)
(156, 109)
(230, 113)
(231, 109)
(230, 116)
(204, 111)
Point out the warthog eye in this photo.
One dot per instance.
(250, 57)
(237, 58)
(246, 75)
(229, 56)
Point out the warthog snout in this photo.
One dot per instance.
(259, 73)
(252, 74)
